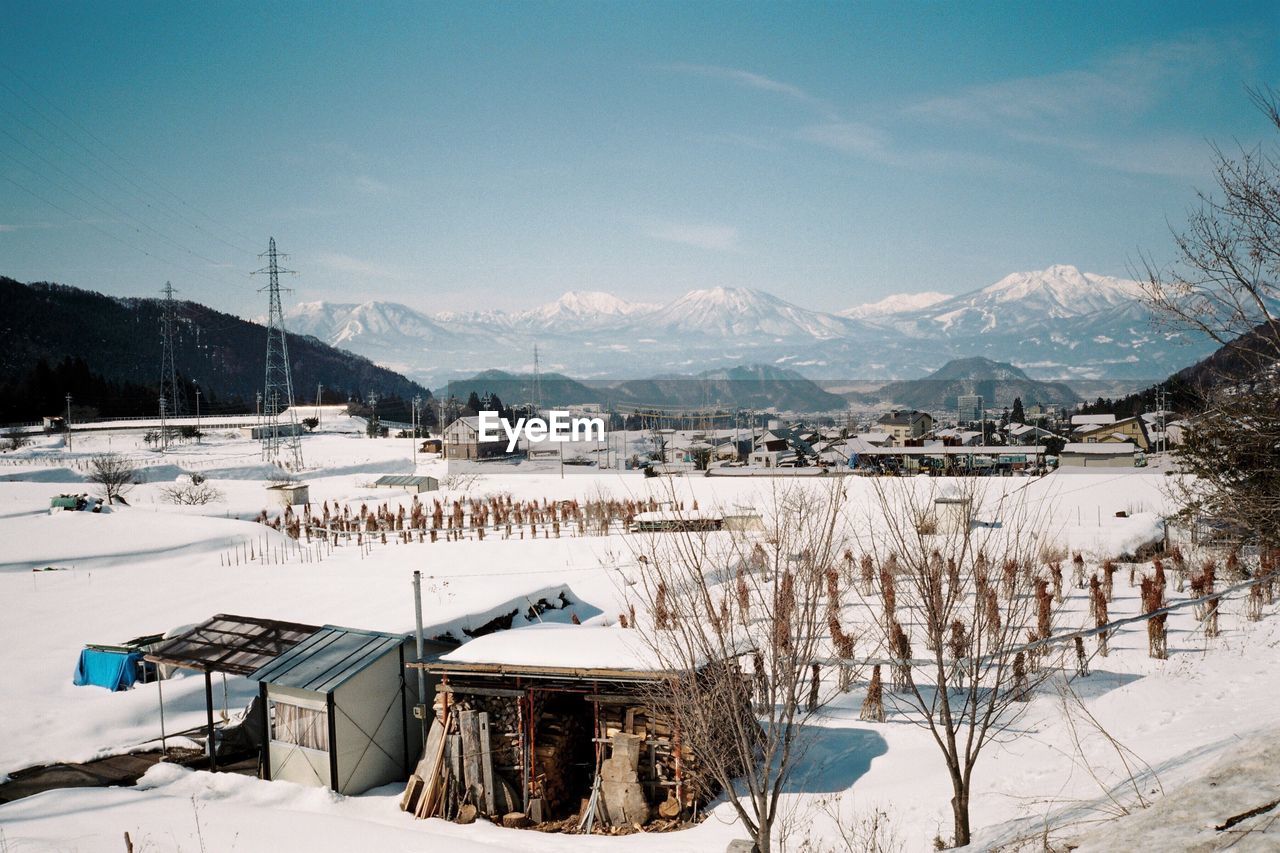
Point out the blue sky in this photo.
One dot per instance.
(477, 155)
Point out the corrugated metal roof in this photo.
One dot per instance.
(330, 656)
(403, 480)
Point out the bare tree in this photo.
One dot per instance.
(741, 620)
(192, 493)
(1225, 285)
(963, 607)
(15, 439)
(114, 473)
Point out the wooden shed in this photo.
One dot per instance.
(340, 710)
(532, 723)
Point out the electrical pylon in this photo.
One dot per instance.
(169, 387)
(278, 438)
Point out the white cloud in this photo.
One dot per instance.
(1127, 82)
(752, 80)
(370, 186)
(709, 236)
(349, 265)
(850, 137)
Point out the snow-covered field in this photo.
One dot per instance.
(152, 566)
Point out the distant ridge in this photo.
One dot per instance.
(118, 339)
(1058, 323)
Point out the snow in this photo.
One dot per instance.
(896, 303)
(151, 567)
(559, 647)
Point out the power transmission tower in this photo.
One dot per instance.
(278, 387)
(169, 387)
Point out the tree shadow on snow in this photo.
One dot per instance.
(834, 758)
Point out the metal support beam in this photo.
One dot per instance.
(210, 747)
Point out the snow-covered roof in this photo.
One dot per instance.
(1096, 420)
(1100, 448)
(553, 646)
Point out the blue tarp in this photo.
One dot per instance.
(112, 670)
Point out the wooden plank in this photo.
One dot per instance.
(412, 791)
(428, 772)
(468, 690)
(472, 775)
(486, 762)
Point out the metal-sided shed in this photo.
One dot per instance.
(408, 482)
(339, 710)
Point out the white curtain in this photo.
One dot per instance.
(305, 727)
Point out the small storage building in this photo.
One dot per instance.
(340, 711)
(1101, 454)
(407, 482)
(290, 494)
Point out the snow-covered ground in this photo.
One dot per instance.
(152, 566)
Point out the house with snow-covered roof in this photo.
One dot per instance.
(905, 425)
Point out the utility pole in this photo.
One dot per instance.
(417, 401)
(68, 423)
(537, 384)
(319, 397)
(197, 414)
(279, 379)
(164, 431)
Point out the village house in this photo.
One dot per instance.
(462, 441)
(1027, 434)
(903, 426)
(780, 447)
(1132, 430)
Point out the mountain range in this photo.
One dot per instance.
(743, 387)
(1055, 324)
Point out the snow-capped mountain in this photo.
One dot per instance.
(340, 324)
(733, 312)
(897, 303)
(1020, 299)
(1056, 323)
(581, 309)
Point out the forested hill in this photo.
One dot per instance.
(53, 337)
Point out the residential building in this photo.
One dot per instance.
(903, 426)
(462, 441)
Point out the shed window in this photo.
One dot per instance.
(307, 727)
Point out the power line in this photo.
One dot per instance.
(248, 241)
(111, 236)
(120, 211)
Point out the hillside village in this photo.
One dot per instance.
(639, 428)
